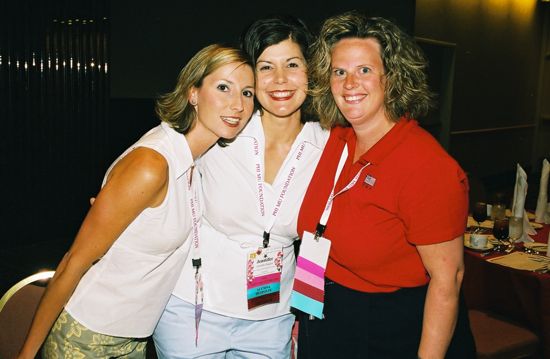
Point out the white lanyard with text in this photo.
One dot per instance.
(260, 187)
(328, 207)
(264, 264)
(196, 259)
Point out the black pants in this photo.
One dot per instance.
(374, 326)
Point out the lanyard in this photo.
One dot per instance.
(293, 165)
(328, 206)
(193, 205)
(196, 259)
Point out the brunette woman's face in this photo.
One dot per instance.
(281, 79)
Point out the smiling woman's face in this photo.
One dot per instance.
(357, 79)
(225, 100)
(281, 79)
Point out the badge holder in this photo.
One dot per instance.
(199, 297)
(263, 275)
(308, 291)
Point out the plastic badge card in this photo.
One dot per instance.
(263, 282)
(308, 292)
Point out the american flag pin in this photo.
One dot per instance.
(369, 180)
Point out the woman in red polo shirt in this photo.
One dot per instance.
(392, 202)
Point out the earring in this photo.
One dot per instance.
(193, 102)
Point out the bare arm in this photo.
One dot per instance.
(445, 265)
(138, 181)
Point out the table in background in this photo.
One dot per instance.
(521, 296)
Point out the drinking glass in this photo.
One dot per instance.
(515, 229)
(501, 229)
(479, 213)
(498, 211)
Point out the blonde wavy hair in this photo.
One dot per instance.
(174, 107)
(406, 90)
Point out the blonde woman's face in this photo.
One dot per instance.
(356, 81)
(225, 101)
(281, 79)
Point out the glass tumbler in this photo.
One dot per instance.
(498, 211)
(501, 229)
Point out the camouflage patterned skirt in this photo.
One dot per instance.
(70, 339)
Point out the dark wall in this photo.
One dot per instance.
(150, 43)
(494, 119)
(543, 109)
(497, 56)
(54, 93)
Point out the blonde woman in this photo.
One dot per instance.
(111, 287)
(399, 208)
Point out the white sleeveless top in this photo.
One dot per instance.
(232, 223)
(125, 292)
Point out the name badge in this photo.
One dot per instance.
(308, 290)
(263, 276)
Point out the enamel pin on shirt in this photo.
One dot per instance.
(369, 180)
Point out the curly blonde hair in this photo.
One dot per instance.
(173, 107)
(406, 92)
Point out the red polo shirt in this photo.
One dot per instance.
(413, 193)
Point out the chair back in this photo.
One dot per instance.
(17, 307)
(498, 338)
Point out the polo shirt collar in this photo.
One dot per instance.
(386, 144)
(181, 153)
(311, 132)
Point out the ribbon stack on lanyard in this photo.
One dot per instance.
(264, 265)
(196, 260)
(308, 291)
